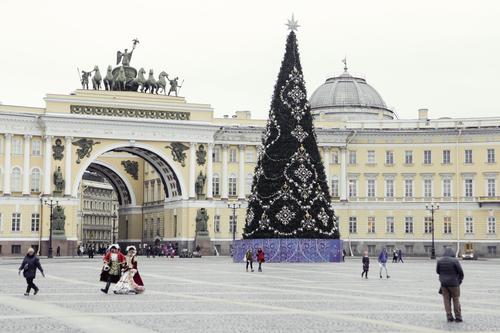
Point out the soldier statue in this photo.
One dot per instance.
(58, 180)
(174, 86)
(85, 79)
(200, 183)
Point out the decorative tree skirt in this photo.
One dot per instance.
(291, 249)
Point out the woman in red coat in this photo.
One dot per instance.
(260, 258)
(112, 268)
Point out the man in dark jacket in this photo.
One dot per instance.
(451, 276)
(29, 266)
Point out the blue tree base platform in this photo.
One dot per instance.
(291, 250)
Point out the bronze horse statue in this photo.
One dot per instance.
(96, 79)
(120, 81)
(150, 85)
(108, 80)
(161, 83)
(140, 80)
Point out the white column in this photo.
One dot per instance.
(343, 174)
(7, 164)
(47, 174)
(192, 170)
(67, 166)
(224, 179)
(241, 189)
(210, 171)
(26, 166)
(326, 163)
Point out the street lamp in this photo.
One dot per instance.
(51, 203)
(114, 218)
(234, 206)
(432, 207)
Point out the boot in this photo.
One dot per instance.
(105, 290)
(36, 291)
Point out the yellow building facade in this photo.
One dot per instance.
(382, 171)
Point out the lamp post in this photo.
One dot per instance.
(432, 207)
(113, 231)
(51, 203)
(234, 206)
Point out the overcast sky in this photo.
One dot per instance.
(443, 55)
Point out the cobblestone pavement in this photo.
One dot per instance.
(216, 295)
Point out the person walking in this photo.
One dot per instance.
(343, 255)
(400, 256)
(382, 262)
(113, 262)
(249, 259)
(451, 276)
(366, 264)
(29, 266)
(394, 256)
(58, 251)
(260, 258)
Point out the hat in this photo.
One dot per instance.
(131, 247)
(116, 246)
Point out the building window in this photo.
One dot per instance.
(249, 182)
(249, 155)
(16, 221)
(335, 157)
(469, 225)
(491, 155)
(35, 180)
(216, 154)
(409, 250)
(389, 188)
(371, 249)
(492, 250)
(389, 224)
(427, 225)
(215, 185)
(446, 156)
(409, 224)
(15, 179)
(371, 224)
(491, 187)
(371, 157)
(233, 223)
(35, 222)
(16, 249)
(427, 188)
(232, 185)
(353, 188)
(446, 187)
(232, 155)
(353, 224)
(335, 187)
(36, 148)
(17, 146)
(217, 223)
(427, 157)
(492, 225)
(370, 191)
(352, 157)
(408, 157)
(468, 188)
(447, 225)
(389, 157)
(408, 188)
(468, 156)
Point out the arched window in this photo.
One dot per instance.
(15, 179)
(35, 180)
(215, 184)
(249, 181)
(232, 185)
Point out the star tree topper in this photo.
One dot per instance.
(292, 24)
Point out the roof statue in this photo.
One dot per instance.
(126, 78)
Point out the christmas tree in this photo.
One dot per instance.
(290, 197)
